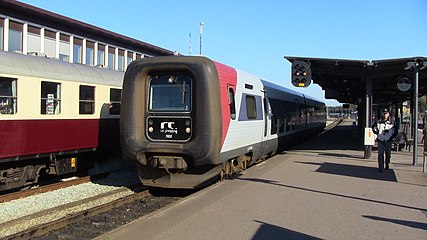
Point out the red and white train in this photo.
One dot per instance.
(187, 121)
(50, 112)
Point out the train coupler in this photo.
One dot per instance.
(168, 162)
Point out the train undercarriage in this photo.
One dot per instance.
(23, 173)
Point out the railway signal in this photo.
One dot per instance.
(300, 74)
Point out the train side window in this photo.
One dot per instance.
(231, 102)
(251, 107)
(115, 101)
(275, 115)
(273, 125)
(50, 98)
(87, 100)
(8, 96)
(282, 123)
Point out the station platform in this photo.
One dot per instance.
(321, 189)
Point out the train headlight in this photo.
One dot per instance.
(150, 129)
(188, 130)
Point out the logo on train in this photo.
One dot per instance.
(168, 127)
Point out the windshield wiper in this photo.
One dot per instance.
(174, 79)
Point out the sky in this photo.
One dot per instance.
(255, 35)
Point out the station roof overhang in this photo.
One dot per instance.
(23, 11)
(346, 80)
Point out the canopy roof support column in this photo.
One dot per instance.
(368, 112)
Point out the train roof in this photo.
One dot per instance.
(279, 92)
(276, 91)
(37, 66)
(315, 100)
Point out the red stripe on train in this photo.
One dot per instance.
(227, 78)
(31, 137)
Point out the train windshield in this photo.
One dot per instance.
(170, 93)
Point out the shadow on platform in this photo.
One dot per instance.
(338, 138)
(341, 155)
(354, 171)
(272, 232)
(279, 184)
(418, 225)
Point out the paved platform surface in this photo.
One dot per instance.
(322, 189)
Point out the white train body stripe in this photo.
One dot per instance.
(248, 132)
(29, 73)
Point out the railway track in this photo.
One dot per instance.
(94, 221)
(97, 209)
(67, 218)
(46, 188)
(332, 125)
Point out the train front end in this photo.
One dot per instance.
(171, 121)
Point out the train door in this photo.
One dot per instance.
(266, 135)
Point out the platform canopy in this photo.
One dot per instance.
(345, 80)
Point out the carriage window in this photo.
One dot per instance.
(251, 107)
(273, 125)
(8, 97)
(232, 103)
(282, 122)
(170, 93)
(51, 98)
(87, 100)
(115, 101)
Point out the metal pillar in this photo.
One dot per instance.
(416, 66)
(368, 113)
(401, 118)
(415, 116)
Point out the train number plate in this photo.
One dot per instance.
(169, 128)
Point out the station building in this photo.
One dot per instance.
(30, 30)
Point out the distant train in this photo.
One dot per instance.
(51, 112)
(188, 121)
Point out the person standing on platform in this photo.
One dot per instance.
(385, 131)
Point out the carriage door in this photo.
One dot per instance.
(267, 124)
